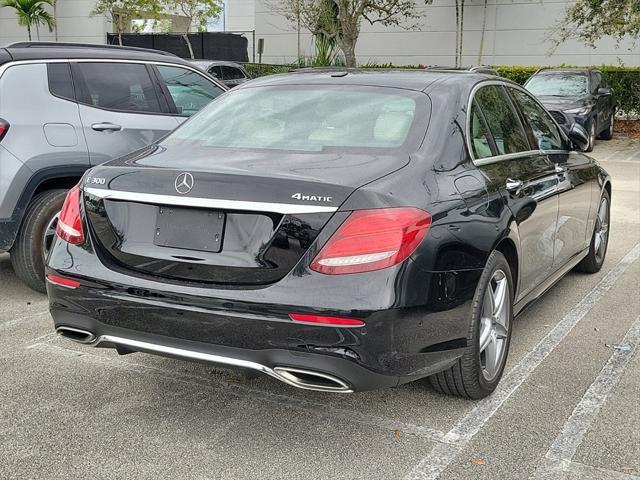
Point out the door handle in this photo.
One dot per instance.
(106, 127)
(513, 185)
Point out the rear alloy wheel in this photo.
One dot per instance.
(608, 133)
(592, 263)
(478, 372)
(35, 238)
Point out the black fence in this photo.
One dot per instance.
(206, 45)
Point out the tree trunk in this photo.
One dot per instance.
(461, 30)
(457, 32)
(484, 29)
(55, 19)
(29, 31)
(120, 38)
(186, 39)
(349, 51)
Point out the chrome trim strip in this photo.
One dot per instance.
(278, 372)
(213, 203)
(508, 156)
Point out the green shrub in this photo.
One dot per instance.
(261, 69)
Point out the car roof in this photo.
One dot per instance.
(409, 79)
(50, 50)
(211, 63)
(551, 71)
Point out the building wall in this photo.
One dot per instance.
(516, 33)
(74, 24)
(240, 16)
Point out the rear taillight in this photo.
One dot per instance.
(4, 128)
(372, 240)
(69, 226)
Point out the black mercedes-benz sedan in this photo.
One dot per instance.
(336, 230)
(580, 96)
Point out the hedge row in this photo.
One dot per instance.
(625, 81)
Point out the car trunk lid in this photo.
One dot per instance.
(237, 220)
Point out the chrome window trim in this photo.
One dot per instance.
(213, 203)
(500, 158)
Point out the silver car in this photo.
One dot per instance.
(67, 107)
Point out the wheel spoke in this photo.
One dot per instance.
(500, 300)
(598, 242)
(488, 305)
(485, 333)
(492, 357)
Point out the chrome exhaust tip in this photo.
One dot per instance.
(76, 334)
(310, 380)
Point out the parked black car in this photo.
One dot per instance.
(581, 96)
(338, 231)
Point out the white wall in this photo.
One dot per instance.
(74, 24)
(516, 33)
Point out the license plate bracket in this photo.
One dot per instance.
(189, 229)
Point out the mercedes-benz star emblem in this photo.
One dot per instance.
(184, 183)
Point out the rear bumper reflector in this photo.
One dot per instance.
(325, 320)
(63, 282)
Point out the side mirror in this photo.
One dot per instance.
(579, 137)
(604, 91)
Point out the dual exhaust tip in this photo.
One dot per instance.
(296, 377)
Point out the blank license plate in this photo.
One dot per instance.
(189, 229)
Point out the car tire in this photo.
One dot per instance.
(592, 136)
(472, 376)
(592, 263)
(27, 252)
(608, 133)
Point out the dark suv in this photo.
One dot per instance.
(67, 107)
(577, 95)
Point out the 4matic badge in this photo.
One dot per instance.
(311, 198)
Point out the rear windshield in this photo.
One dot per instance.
(313, 118)
(558, 85)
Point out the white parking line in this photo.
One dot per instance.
(465, 429)
(249, 393)
(19, 320)
(567, 442)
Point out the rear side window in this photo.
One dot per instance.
(544, 129)
(502, 120)
(124, 87)
(60, 82)
(231, 73)
(480, 136)
(189, 90)
(216, 71)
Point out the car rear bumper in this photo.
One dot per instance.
(404, 338)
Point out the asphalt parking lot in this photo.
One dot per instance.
(567, 408)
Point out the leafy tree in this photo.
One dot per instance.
(122, 12)
(196, 12)
(31, 13)
(590, 20)
(348, 16)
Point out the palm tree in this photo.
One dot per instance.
(31, 13)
